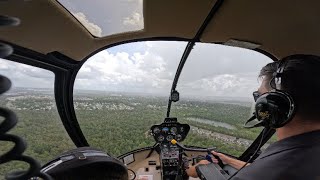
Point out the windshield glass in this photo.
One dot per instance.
(107, 17)
(31, 97)
(121, 92)
(216, 86)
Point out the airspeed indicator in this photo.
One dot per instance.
(173, 130)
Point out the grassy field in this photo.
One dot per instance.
(117, 123)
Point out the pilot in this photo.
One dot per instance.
(85, 163)
(290, 93)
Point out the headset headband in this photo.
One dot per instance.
(67, 157)
(278, 75)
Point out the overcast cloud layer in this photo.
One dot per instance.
(149, 67)
(106, 17)
(22, 75)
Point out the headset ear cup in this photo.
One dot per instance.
(275, 109)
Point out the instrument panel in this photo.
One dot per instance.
(167, 131)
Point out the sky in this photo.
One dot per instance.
(22, 75)
(106, 17)
(147, 67)
(150, 67)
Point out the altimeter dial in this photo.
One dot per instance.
(173, 130)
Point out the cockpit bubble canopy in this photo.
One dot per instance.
(122, 91)
(108, 17)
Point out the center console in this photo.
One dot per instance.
(170, 154)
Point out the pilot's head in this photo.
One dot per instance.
(297, 76)
(85, 163)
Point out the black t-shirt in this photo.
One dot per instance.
(296, 157)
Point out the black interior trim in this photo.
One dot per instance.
(64, 71)
(246, 155)
(135, 151)
(269, 55)
(64, 101)
(33, 58)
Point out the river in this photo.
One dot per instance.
(212, 122)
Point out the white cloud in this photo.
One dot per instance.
(149, 67)
(135, 21)
(22, 75)
(92, 28)
(4, 66)
(123, 72)
(139, 1)
(107, 17)
(232, 85)
(210, 71)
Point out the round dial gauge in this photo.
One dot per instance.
(173, 130)
(169, 137)
(179, 137)
(165, 129)
(156, 130)
(160, 138)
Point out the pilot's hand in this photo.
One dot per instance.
(224, 158)
(229, 160)
(191, 171)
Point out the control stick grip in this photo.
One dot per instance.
(220, 163)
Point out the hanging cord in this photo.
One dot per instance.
(254, 154)
(10, 120)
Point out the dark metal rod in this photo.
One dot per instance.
(189, 47)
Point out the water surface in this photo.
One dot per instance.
(211, 122)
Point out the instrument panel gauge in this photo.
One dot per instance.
(169, 137)
(160, 138)
(173, 130)
(179, 137)
(156, 130)
(165, 129)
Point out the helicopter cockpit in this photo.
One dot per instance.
(197, 122)
(156, 84)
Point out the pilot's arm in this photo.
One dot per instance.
(237, 164)
(191, 171)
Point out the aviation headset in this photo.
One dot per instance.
(84, 157)
(276, 108)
